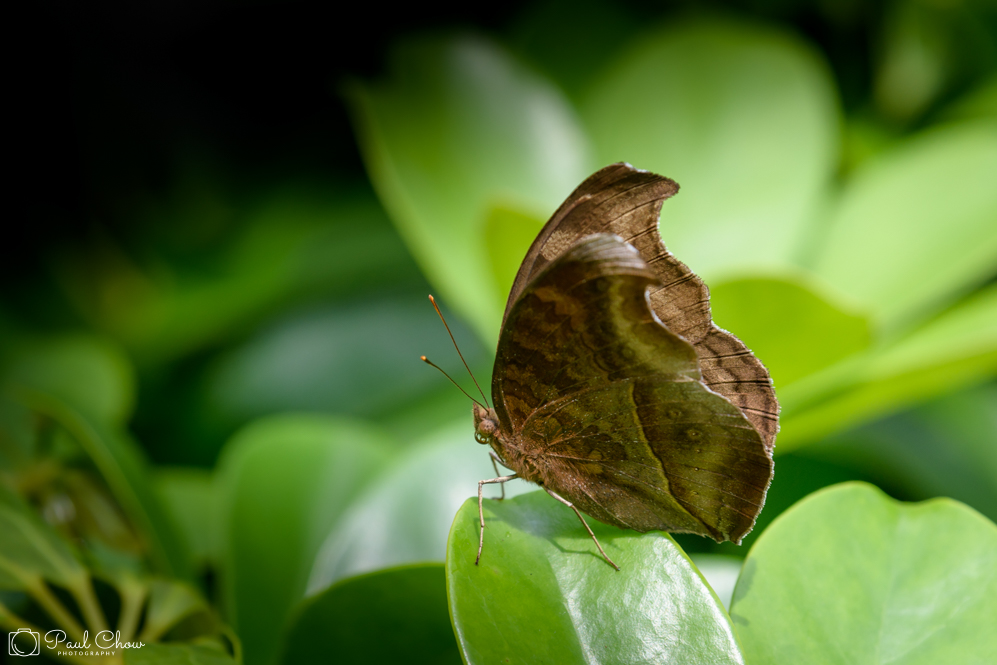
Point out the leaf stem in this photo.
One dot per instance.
(86, 599)
(11, 622)
(55, 609)
(133, 595)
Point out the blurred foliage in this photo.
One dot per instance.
(214, 428)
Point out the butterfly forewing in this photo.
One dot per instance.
(625, 201)
(603, 404)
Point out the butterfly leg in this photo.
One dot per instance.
(496, 460)
(481, 510)
(585, 524)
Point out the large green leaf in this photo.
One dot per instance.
(460, 128)
(849, 575)
(543, 594)
(342, 359)
(87, 372)
(788, 324)
(282, 483)
(954, 349)
(916, 226)
(406, 514)
(189, 497)
(391, 616)
(743, 117)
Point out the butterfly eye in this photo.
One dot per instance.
(485, 429)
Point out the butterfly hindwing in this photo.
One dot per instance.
(608, 407)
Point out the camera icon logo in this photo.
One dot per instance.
(24, 642)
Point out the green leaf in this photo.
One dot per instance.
(292, 242)
(397, 615)
(340, 359)
(87, 372)
(743, 117)
(978, 103)
(170, 603)
(544, 594)
(508, 235)
(812, 332)
(282, 483)
(172, 654)
(955, 349)
(406, 514)
(460, 128)
(188, 495)
(849, 575)
(915, 228)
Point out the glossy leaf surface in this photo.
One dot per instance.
(542, 592)
(849, 575)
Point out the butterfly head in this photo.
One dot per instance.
(486, 424)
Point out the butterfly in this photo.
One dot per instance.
(612, 387)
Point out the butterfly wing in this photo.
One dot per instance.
(625, 201)
(608, 408)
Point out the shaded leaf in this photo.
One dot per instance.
(283, 482)
(292, 243)
(343, 359)
(87, 372)
(169, 603)
(544, 594)
(398, 615)
(460, 128)
(743, 117)
(850, 575)
(944, 447)
(188, 495)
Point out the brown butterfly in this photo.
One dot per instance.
(613, 388)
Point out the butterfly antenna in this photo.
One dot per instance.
(433, 300)
(431, 363)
